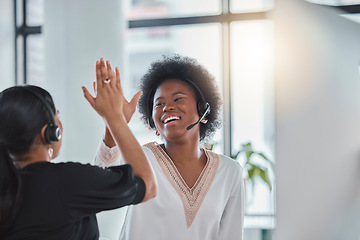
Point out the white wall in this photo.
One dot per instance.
(7, 48)
(317, 121)
(77, 33)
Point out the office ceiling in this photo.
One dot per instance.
(350, 8)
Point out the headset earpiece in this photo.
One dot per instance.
(201, 107)
(52, 132)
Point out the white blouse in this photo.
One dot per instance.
(213, 209)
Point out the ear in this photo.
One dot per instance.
(42, 134)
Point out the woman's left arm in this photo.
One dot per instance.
(232, 222)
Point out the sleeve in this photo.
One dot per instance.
(232, 221)
(106, 156)
(90, 189)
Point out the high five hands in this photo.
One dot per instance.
(109, 101)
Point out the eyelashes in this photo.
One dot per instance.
(157, 104)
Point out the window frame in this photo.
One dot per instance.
(24, 31)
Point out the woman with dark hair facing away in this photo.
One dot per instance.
(44, 200)
(200, 193)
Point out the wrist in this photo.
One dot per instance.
(115, 120)
(108, 139)
(114, 125)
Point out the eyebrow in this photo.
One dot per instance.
(175, 93)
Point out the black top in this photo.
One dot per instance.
(59, 201)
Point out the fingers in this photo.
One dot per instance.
(118, 80)
(99, 81)
(110, 74)
(94, 86)
(135, 99)
(103, 70)
(88, 96)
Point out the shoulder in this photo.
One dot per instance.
(151, 149)
(228, 166)
(150, 145)
(75, 169)
(227, 162)
(57, 166)
(230, 171)
(74, 165)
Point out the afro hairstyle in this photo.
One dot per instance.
(188, 70)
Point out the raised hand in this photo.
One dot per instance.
(109, 98)
(130, 107)
(112, 106)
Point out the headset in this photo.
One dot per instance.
(203, 107)
(52, 131)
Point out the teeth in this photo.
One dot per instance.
(170, 119)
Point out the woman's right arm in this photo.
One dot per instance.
(108, 103)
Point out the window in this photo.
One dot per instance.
(148, 9)
(29, 45)
(243, 6)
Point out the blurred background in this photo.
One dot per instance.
(288, 71)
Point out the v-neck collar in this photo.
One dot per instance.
(193, 197)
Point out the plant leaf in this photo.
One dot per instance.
(253, 165)
(263, 156)
(255, 170)
(236, 154)
(265, 177)
(248, 155)
(251, 175)
(247, 147)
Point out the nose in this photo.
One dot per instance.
(168, 107)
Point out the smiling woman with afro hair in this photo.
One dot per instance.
(200, 193)
(188, 70)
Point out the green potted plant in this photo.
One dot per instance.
(255, 169)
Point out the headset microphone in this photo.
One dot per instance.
(207, 111)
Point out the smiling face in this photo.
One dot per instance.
(174, 110)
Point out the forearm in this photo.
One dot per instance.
(108, 139)
(132, 153)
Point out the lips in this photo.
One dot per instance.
(171, 118)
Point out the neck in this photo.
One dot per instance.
(38, 153)
(185, 153)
